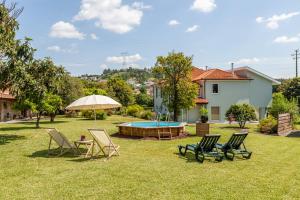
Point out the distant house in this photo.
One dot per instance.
(6, 106)
(219, 89)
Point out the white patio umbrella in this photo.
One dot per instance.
(94, 102)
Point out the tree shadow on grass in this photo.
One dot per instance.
(94, 158)
(44, 154)
(190, 158)
(5, 138)
(6, 129)
(32, 123)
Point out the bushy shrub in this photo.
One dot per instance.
(203, 114)
(242, 113)
(87, 114)
(203, 111)
(100, 115)
(134, 110)
(71, 114)
(282, 105)
(147, 114)
(268, 125)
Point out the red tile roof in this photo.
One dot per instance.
(215, 74)
(201, 101)
(196, 72)
(6, 95)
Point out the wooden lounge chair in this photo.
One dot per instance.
(64, 145)
(104, 142)
(235, 145)
(205, 148)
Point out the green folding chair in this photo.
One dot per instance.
(205, 148)
(234, 146)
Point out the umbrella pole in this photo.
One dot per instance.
(95, 114)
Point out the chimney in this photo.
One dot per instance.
(232, 69)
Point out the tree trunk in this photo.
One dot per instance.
(52, 116)
(38, 117)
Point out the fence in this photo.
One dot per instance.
(285, 125)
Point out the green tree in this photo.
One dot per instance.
(24, 106)
(119, 89)
(143, 98)
(280, 105)
(290, 88)
(242, 113)
(44, 77)
(174, 75)
(96, 91)
(70, 88)
(51, 105)
(27, 79)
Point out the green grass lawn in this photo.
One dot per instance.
(145, 169)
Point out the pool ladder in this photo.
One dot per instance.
(158, 116)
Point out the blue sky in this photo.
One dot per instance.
(86, 36)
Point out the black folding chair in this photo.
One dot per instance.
(235, 145)
(205, 148)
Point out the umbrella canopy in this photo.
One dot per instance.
(94, 102)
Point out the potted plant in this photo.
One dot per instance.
(203, 114)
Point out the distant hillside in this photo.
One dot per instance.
(140, 75)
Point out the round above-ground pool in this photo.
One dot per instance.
(151, 129)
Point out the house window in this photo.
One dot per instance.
(215, 113)
(215, 88)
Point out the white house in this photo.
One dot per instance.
(6, 106)
(219, 89)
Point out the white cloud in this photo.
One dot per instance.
(63, 29)
(141, 6)
(54, 48)
(204, 5)
(103, 66)
(173, 22)
(192, 29)
(94, 36)
(120, 59)
(110, 14)
(273, 22)
(286, 39)
(71, 49)
(246, 61)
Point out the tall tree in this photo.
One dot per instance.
(43, 78)
(290, 88)
(119, 89)
(174, 76)
(27, 79)
(70, 88)
(51, 105)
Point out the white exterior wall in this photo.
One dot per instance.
(230, 92)
(257, 92)
(260, 93)
(158, 101)
(7, 112)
